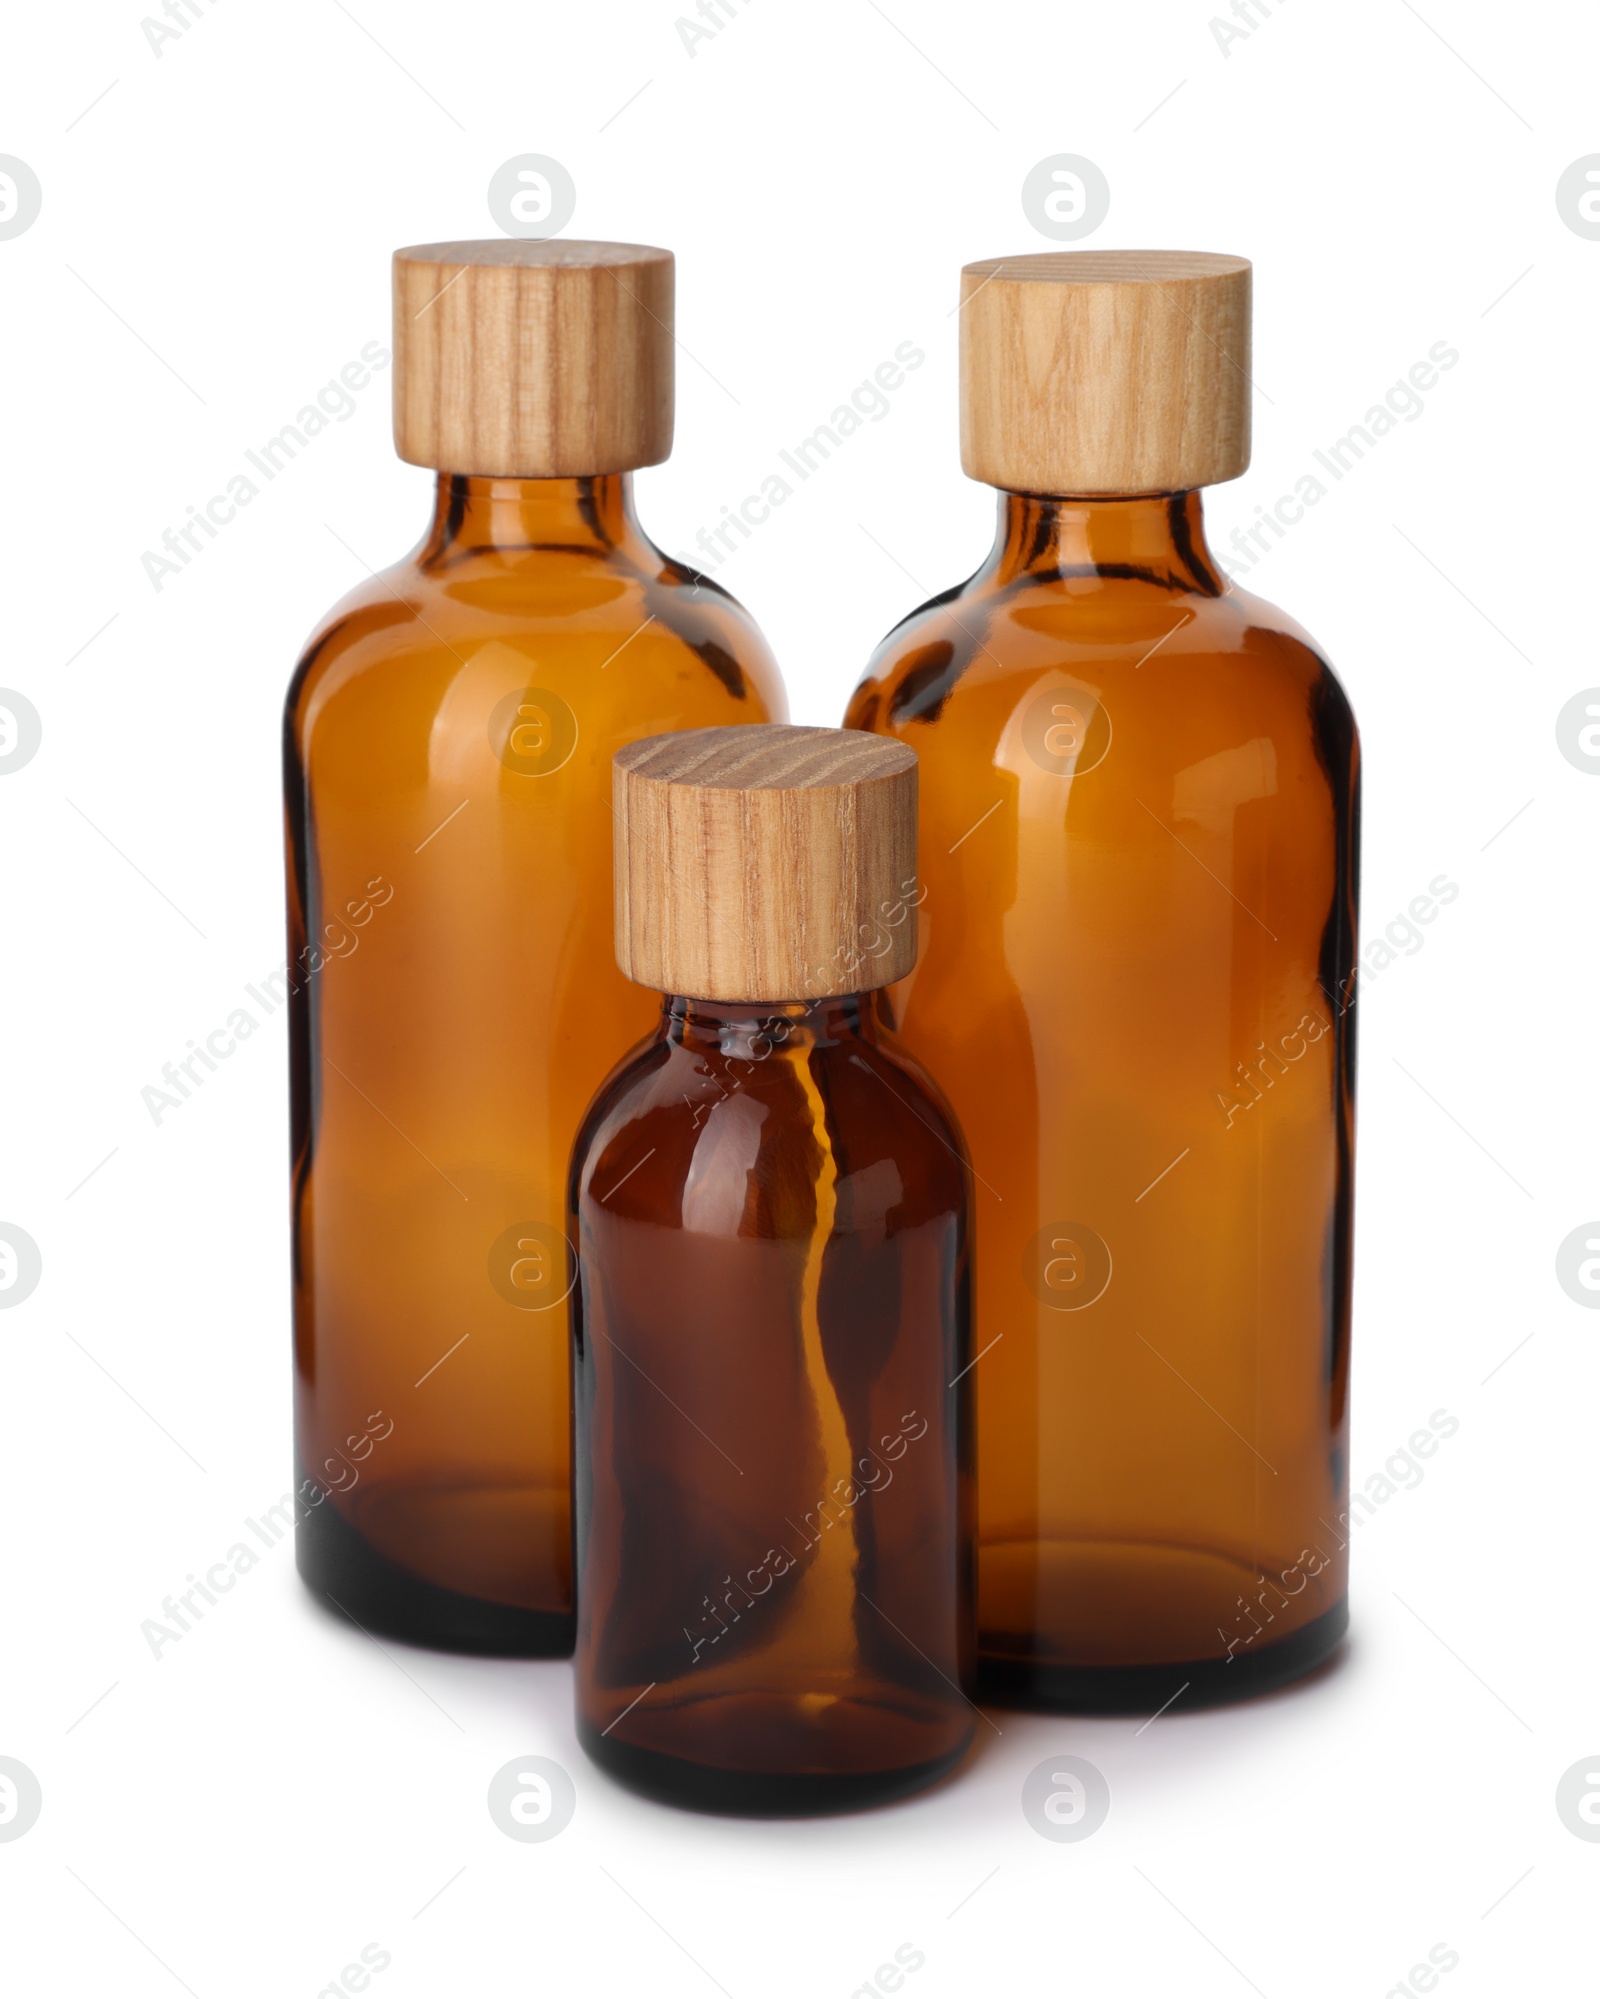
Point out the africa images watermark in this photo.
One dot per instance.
(873, 1472)
(868, 403)
(184, 1609)
(890, 1977)
(715, 15)
(1401, 937)
(338, 940)
(335, 403)
(1401, 1472)
(1248, 15)
(1402, 403)
(181, 15)
(872, 941)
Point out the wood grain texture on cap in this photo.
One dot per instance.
(1105, 371)
(765, 864)
(524, 360)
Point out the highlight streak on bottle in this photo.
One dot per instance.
(823, 1619)
(806, 1636)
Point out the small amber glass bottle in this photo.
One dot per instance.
(1139, 846)
(454, 1003)
(770, 1325)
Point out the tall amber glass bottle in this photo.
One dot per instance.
(454, 1002)
(1139, 850)
(771, 1325)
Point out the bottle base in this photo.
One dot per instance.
(337, 1563)
(700, 1787)
(1145, 1689)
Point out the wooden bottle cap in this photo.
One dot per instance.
(1105, 371)
(767, 863)
(520, 360)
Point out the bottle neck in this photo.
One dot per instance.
(520, 518)
(1156, 538)
(748, 1032)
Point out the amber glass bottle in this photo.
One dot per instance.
(1139, 850)
(771, 1323)
(454, 1002)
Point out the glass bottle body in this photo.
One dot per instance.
(1139, 826)
(772, 1451)
(454, 1003)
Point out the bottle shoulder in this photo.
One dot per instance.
(733, 1142)
(1002, 638)
(661, 635)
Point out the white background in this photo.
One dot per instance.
(244, 1814)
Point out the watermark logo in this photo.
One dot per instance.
(532, 197)
(1578, 1266)
(1577, 196)
(1577, 731)
(1066, 730)
(532, 731)
(1578, 1798)
(533, 1266)
(531, 1798)
(1066, 1798)
(21, 731)
(20, 1265)
(20, 1798)
(1066, 197)
(21, 196)
(1067, 1266)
